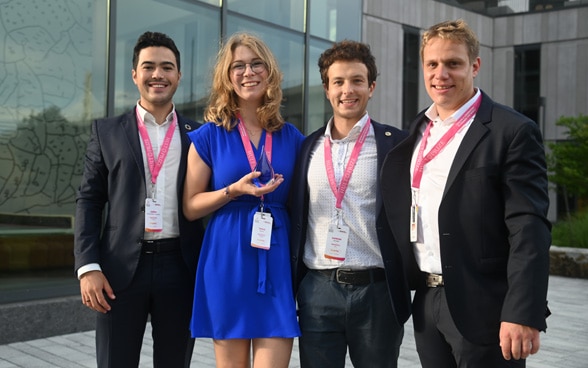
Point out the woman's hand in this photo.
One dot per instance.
(245, 185)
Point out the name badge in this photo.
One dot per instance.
(414, 218)
(153, 216)
(261, 234)
(337, 239)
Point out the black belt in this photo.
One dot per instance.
(160, 245)
(354, 277)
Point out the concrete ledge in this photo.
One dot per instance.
(571, 262)
(43, 318)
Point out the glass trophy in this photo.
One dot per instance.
(265, 167)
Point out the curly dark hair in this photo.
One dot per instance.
(156, 39)
(348, 50)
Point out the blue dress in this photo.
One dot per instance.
(242, 291)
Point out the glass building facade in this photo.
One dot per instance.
(66, 62)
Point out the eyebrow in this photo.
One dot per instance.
(147, 62)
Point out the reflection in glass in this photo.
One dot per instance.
(336, 20)
(319, 108)
(285, 13)
(52, 84)
(195, 30)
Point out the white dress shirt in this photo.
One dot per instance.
(166, 186)
(435, 173)
(358, 205)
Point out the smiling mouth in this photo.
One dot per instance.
(347, 102)
(441, 88)
(157, 85)
(250, 84)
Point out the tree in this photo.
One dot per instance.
(567, 161)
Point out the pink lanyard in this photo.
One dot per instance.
(155, 166)
(247, 144)
(340, 192)
(445, 139)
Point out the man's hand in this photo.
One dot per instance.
(518, 341)
(93, 286)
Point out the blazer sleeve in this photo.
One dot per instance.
(90, 202)
(526, 203)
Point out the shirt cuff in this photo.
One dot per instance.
(87, 268)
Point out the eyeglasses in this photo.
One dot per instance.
(256, 67)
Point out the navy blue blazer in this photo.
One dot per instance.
(493, 230)
(386, 138)
(110, 206)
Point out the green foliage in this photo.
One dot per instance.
(567, 160)
(572, 232)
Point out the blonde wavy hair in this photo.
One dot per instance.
(223, 105)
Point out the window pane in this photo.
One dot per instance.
(286, 13)
(527, 78)
(52, 84)
(288, 47)
(195, 30)
(319, 107)
(336, 20)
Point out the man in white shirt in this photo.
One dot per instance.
(466, 198)
(135, 252)
(347, 273)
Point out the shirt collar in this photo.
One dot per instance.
(148, 118)
(433, 115)
(353, 133)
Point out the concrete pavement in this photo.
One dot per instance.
(563, 346)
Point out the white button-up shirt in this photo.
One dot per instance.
(358, 205)
(430, 194)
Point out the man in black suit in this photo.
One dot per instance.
(347, 273)
(466, 197)
(135, 252)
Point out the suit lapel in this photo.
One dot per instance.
(471, 139)
(131, 133)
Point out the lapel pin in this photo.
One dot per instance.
(188, 127)
(388, 134)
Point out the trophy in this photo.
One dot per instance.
(265, 167)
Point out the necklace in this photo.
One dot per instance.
(251, 133)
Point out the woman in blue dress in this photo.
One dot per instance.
(243, 297)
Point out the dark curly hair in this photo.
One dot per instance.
(348, 50)
(156, 39)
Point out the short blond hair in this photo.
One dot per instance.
(455, 30)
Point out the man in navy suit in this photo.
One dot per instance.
(347, 273)
(135, 252)
(466, 198)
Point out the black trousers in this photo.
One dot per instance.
(162, 288)
(440, 344)
(335, 317)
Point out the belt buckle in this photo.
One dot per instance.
(434, 280)
(337, 275)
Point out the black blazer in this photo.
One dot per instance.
(493, 230)
(110, 218)
(386, 138)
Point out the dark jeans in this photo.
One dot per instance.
(334, 317)
(162, 288)
(439, 342)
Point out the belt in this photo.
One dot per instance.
(160, 245)
(434, 280)
(354, 277)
